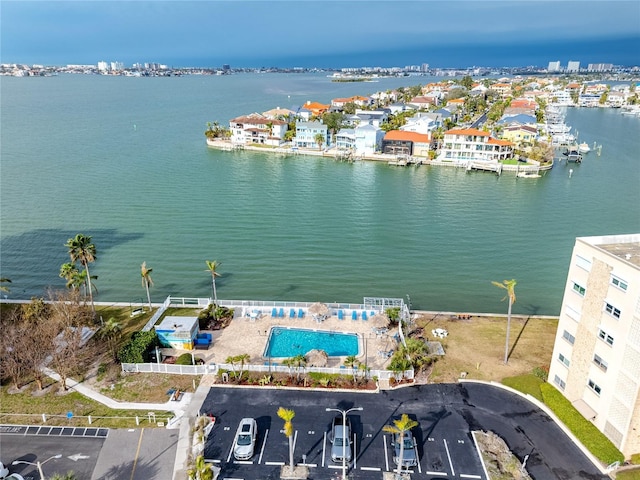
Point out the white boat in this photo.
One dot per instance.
(584, 147)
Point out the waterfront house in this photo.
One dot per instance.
(256, 128)
(462, 146)
(589, 99)
(178, 332)
(616, 99)
(368, 139)
(306, 133)
(520, 134)
(596, 354)
(279, 113)
(399, 142)
(345, 139)
(423, 122)
(517, 119)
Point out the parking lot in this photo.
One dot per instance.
(445, 448)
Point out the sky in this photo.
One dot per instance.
(320, 33)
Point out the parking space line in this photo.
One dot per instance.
(324, 445)
(436, 473)
(386, 453)
(446, 447)
(243, 462)
(465, 475)
(355, 449)
(274, 463)
(230, 451)
(264, 442)
(371, 469)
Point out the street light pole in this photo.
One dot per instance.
(38, 464)
(344, 439)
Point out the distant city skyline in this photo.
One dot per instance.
(326, 34)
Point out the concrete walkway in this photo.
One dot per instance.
(185, 409)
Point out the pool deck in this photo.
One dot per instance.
(250, 336)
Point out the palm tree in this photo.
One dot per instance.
(2, 287)
(287, 415)
(81, 249)
(299, 361)
(509, 286)
(232, 361)
(111, 331)
(243, 358)
(403, 424)
(69, 272)
(212, 267)
(352, 362)
(147, 282)
(201, 470)
(319, 139)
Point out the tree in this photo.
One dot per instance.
(67, 476)
(212, 267)
(232, 361)
(319, 139)
(201, 470)
(509, 286)
(401, 425)
(287, 415)
(69, 271)
(352, 362)
(145, 273)
(111, 332)
(299, 361)
(243, 358)
(81, 249)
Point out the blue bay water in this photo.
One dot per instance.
(124, 160)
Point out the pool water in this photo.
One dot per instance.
(289, 342)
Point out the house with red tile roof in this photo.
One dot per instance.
(316, 108)
(399, 142)
(504, 89)
(424, 101)
(257, 128)
(461, 146)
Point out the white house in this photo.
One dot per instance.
(256, 128)
(368, 139)
(306, 133)
(465, 145)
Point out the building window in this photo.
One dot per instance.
(597, 359)
(572, 312)
(605, 337)
(583, 263)
(568, 337)
(618, 282)
(565, 361)
(611, 310)
(579, 289)
(595, 387)
(559, 382)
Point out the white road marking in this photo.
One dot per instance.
(324, 445)
(466, 475)
(386, 453)
(371, 469)
(264, 442)
(274, 463)
(243, 462)
(436, 473)
(453, 473)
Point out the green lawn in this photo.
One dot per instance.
(529, 384)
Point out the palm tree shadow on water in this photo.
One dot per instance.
(32, 259)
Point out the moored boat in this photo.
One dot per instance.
(584, 147)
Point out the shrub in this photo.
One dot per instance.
(184, 359)
(541, 372)
(136, 350)
(594, 440)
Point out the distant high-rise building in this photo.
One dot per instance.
(600, 67)
(103, 66)
(573, 66)
(425, 67)
(596, 355)
(553, 67)
(226, 67)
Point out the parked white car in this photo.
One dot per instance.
(245, 440)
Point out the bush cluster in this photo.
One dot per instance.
(137, 349)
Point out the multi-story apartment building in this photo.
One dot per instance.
(596, 355)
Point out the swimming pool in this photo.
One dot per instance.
(289, 342)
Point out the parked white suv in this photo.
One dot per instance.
(338, 434)
(245, 440)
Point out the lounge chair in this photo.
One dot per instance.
(300, 313)
(281, 313)
(340, 315)
(364, 316)
(354, 315)
(292, 313)
(274, 312)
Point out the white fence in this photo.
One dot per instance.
(169, 368)
(267, 368)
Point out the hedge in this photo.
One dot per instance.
(594, 440)
(136, 350)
